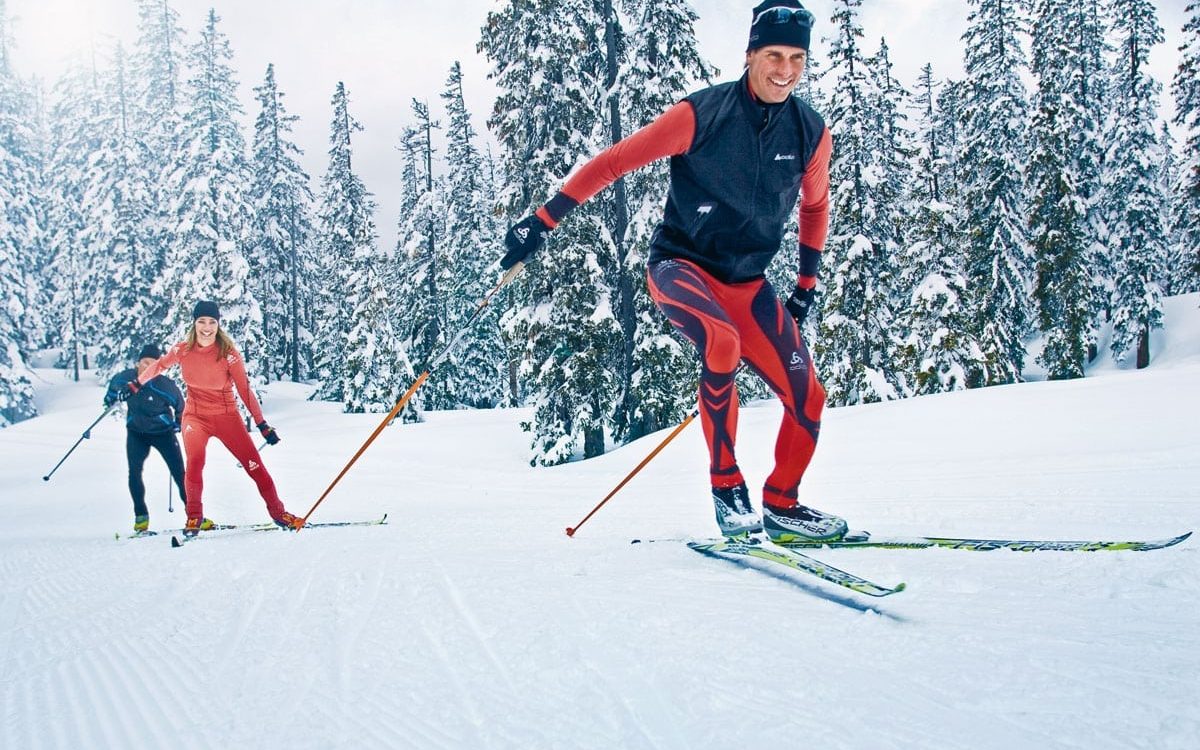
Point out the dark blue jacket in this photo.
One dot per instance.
(156, 408)
(732, 192)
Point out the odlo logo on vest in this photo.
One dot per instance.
(797, 362)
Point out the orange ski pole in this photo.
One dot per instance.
(695, 412)
(572, 529)
(508, 276)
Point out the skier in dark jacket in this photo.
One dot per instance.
(741, 154)
(152, 421)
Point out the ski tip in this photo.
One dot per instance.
(1177, 540)
(175, 543)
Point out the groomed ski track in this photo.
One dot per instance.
(472, 621)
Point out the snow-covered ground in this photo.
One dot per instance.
(473, 621)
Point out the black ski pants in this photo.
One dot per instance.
(137, 447)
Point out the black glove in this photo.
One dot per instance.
(523, 240)
(127, 390)
(800, 302)
(268, 432)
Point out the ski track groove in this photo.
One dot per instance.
(247, 615)
(416, 715)
(615, 696)
(453, 671)
(363, 605)
(454, 594)
(116, 681)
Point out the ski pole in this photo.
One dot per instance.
(508, 276)
(170, 493)
(695, 412)
(86, 435)
(572, 529)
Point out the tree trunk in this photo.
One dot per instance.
(626, 316)
(1143, 352)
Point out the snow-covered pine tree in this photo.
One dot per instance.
(502, 306)
(995, 140)
(550, 68)
(345, 222)
(950, 118)
(19, 231)
(425, 273)
(209, 204)
(938, 350)
(1137, 239)
(660, 63)
(157, 70)
(1089, 28)
(475, 371)
(375, 368)
(1177, 270)
(281, 242)
(892, 140)
(75, 266)
(1185, 88)
(119, 203)
(853, 345)
(1058, 178)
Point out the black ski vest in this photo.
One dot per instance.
(731, 193)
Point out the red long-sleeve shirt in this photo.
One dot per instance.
(210, 379)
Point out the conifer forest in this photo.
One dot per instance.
(982, 231)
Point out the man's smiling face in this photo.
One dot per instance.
(775, 70)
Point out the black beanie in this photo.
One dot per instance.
(783, 22)
(149, 350)
(206, 309)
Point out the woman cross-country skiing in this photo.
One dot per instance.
(212, 368)
(741, 153)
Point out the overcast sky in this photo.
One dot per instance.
(389, 51)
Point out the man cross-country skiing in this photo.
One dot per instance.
(741, 153)
(152, 421)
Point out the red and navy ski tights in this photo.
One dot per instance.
(744, 321)
(228, 428)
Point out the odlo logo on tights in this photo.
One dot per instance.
(797, 362)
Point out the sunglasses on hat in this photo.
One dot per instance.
(780, 15)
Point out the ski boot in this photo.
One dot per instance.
(141, 524)
(288, 522)
(801, 524)
(195, 525)
(735, 516)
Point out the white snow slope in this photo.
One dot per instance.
(472, 621)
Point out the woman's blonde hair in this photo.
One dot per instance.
(224, 343)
